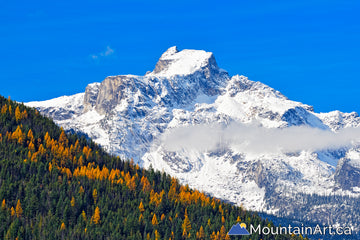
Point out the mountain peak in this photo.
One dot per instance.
(174, 62)
(171, 51)
(190, 119)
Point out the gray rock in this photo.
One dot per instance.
(347, 175)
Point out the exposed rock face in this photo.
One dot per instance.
(347, 175)
(300, 116)
(260, 175)
(91, 94)
(163, 63)
(112, 90)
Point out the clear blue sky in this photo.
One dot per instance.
(308, 50)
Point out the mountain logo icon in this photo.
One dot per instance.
(238, 229)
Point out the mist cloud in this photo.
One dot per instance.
(252, 138)
(107, 52)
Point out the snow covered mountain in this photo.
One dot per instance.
(218, 134)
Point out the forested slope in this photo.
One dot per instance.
(55, 185)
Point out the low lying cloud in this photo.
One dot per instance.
(252, 138)
(107, 52)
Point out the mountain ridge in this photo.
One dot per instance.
(129, 115)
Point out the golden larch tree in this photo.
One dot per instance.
(24, 114)
(63, 139)
(201, 233)
(157, 235)
(77, 146)
(154, 220)
(172, 195)
(87, 152)
(3, 204)
(30, 135)
(141, 207)
(72, 202)
(12, 211)
(130, 183)
(141, 218)
(41, 150)
(18, 135)
(146, 186)
(221, 210)
(17, 114)
(31, 147)
(83, 214)
(47, 140)
(213, 236)
(62, 227)
(81, 190)
(4, 109)
(186, 223)
(227, 237)
(34, 157)
(96, 216)
(223, 232)
(81, 161)
(19, 210)
(184, 234)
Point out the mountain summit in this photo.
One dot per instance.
(178, 78)
(172, 62)
(226, 135)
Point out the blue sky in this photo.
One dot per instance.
(308, 50)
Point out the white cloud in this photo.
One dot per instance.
(107, 52)
(255, 139)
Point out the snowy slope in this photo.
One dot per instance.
(131, 115)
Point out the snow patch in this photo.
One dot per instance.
(183, 63)
(63, 101)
